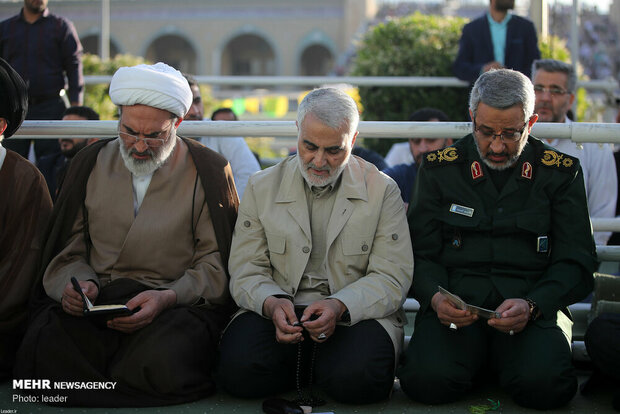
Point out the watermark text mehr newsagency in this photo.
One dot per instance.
(44, 384)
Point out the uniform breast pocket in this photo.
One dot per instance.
(276, 243)
(534, 228)
(456, 228)
(356, 248)
(534, 222)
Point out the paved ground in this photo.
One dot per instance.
(222, 403)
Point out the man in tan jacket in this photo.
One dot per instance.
(144, 220)
(322, 258)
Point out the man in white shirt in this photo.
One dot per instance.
(555, 84)
(234, 149)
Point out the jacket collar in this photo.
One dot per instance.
(525, 166)
(352, 185)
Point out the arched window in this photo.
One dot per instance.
(248, 55)
(316, 60)
(90, 44)
(174, 51)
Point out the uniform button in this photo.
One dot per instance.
(306, 249)
(394, 236)
(246, 223)
(364, 247)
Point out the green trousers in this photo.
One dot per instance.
(442, 365)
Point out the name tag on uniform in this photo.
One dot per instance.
(462, 210)
(542, 244)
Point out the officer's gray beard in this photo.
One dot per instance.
(512, 159)
(158, 156)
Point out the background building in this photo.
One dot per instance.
(216, 37)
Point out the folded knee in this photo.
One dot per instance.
(359, 385)
(433, 386)
(543, 390)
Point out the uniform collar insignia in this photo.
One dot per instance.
(526, 170)
(476, 170)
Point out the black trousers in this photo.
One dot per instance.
(354, 365)
(170, 361)
(51, 109)
(602, 341)
(442, 365)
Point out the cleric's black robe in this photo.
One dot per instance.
(25, 207)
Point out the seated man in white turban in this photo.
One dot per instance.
(144, 219)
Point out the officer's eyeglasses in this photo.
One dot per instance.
(553, 90)
(156, 139)
(507, 135)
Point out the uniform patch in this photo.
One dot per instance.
(462, 210)
(526, 170)
(542, 244)
(552, 158)
(476, 170)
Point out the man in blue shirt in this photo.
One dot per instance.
(497, 39)
(405, 174)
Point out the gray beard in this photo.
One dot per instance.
(159, 157)
(500, 167)
(314, 181)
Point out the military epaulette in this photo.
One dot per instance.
(558, 160)
(440, 157)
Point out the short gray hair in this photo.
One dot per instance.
(552, 65)
(332, 107)
(503, 89)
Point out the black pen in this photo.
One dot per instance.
(78, 289)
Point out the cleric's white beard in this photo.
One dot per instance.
(159, 156)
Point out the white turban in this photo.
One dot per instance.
(158, 85)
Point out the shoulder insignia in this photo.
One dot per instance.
(556, 159)
(439, 157)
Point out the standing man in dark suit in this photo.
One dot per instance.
(44, 49)
(497, 39)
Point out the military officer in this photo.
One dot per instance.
(499, 219)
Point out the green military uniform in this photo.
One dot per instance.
(487, 236)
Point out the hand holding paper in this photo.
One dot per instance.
(460, 304)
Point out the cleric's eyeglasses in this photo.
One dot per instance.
(155, 139)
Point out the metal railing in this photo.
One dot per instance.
(608, 86)
(579, 132)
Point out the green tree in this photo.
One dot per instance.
(554, 48)
(417, 45)
(96, 95)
